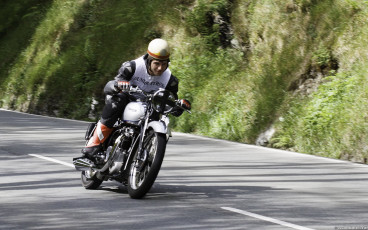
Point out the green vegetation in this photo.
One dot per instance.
(299, 66)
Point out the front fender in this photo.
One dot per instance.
(158, 126)
(161, 127)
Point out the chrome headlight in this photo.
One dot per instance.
(163, 101)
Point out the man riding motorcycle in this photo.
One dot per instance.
(149, 72)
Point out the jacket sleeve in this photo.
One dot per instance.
(110, 88)
(125, 73)
(173, 85)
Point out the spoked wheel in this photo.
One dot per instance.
(89, 179)
(143, 173)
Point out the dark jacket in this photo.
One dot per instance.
(126, 73)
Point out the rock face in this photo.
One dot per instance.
(309, 81)
(265, 137)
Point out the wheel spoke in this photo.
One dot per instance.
(150, 145)
(142, 178)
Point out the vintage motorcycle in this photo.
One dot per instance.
(134, 152)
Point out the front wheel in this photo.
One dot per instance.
(143, 173)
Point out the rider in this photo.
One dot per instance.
(149, 72)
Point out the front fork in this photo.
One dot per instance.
(142, 153)
(157, 126)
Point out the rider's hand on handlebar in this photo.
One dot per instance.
(185, 104)
(122, 85)
(182, 105)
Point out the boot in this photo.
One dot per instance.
(101, 133)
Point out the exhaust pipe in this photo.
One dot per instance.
(83, 164)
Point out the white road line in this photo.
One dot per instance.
(51, 159)
(265, 218)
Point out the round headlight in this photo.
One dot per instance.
(163, 101)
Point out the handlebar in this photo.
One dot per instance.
(136, 89)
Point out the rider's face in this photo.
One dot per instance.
(158, 67)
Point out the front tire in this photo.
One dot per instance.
(142, 177)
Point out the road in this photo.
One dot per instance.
(203, 184)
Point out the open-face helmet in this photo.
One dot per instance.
(159, 49)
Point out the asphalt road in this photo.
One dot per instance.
(203, 184)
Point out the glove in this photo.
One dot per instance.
(177, 112)
(122, 85)
(182, 104)
(185, 104)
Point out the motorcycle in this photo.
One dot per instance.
(134, 152)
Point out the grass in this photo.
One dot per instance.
(241, 63)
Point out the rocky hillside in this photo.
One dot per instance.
(288, 74)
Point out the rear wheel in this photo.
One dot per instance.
(89, 179)
(143, 173)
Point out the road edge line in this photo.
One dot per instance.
(265, 218)
(52, 160)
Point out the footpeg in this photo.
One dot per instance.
(82, 164)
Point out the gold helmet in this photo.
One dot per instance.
(159, 49)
